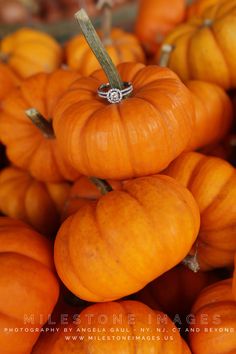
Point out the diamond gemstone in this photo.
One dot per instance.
(114, 95)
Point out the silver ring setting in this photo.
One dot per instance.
(114, 95)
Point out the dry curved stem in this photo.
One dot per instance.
(103, 186)
(98, 49)
(40, 122)
(166, 50)
(191, 261)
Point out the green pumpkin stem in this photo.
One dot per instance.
(40, 122)
(103, 186)
(99, 50)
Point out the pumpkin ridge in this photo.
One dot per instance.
(29, 156)
(23, 90)
(179, 194)
(17, 50)
(21, 56)
(54, 157)
(14, 178)
(27, 256)
(161, 121)
(17, 253)
(216, 198)
(82, 136)
(33, 285)
(33, 156)
(71, 262)
(110, 248)
(224, 57)
(7, 186)
(195, 171)
(127, 140)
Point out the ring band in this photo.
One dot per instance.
(114, 95)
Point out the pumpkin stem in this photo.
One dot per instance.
(4, 57)
(106, 7)
(207, 22)
(191, 261)
(103, 186)
(166, 50)
(190, 2)
(98, 49)
(40, 122)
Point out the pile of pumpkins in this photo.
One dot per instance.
(115, 215)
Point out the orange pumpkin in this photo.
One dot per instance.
(185, 286)
(29, 51)
(28, 287)
(8, 80)
(212, 181)
(83, 192)
(24, 198)
(213, 111)
(117, 337)
(213, 327)
(123, 46)
(27, 146)
(215, 31)
(155, 19)
(122, 235)
(121, 141)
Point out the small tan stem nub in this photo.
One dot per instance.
(106, 26)
(106, 7)
(190, 2)
(98, 49)
(103, 186)
(40, 122)
(207, 22)
(166, 50)
(4, 57)
(191, 261)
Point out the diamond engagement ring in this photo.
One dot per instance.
(114, 95)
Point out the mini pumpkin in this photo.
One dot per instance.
(27, 146)
(122, 140)
(122, 47)
(36, 203)
(212, 181)
(122, 235)
(155, 19)
(214, 30)
(213, 111)
(8, 80)
(214, 324)
(29, 51)
(28, 286)
(134, 317)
